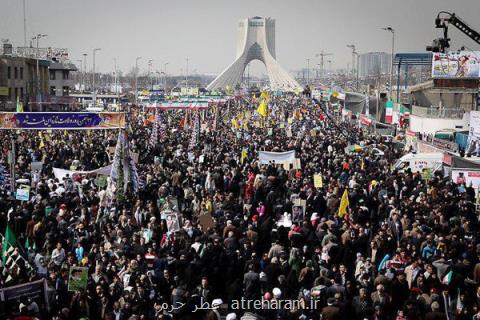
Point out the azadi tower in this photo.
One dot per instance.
(256, 41)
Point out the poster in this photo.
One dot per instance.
(289, 133)
(23, 193)
(460, 64)
(62, 120)
(77, 278)
(317, 181)
(473, 142)
(297, 213)
(270, 131)
(173, 224)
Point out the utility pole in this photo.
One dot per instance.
(84, 71)
(150, 65)
(390, 29)
(24, 26)
(308, 72)
(165, 78)
(186, 74)
(81, 72)
(136, 80)
(94, 91)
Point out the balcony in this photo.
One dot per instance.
(435, 112)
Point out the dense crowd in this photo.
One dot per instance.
(406, 248)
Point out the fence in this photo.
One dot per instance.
(436, 112)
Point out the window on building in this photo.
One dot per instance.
(52, 74)
(9, 72)
(16, 93)
(52, 91)
(10, 93)
(21, 92)
(15, 73)
(21, 73)
(66, 91)
(65, 75)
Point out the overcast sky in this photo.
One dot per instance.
(205, 31)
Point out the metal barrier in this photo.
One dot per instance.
(435, 112)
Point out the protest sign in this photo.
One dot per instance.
(77, 278)
(173, 223)
(23, 193)
(317, 181)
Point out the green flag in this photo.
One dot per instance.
(27, 244)
(8, 243)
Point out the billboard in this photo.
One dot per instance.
(461, 64)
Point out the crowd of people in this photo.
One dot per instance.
(403, 247)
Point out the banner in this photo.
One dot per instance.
(473, 142)
(62, 120)
(77, 278)
(266, 157)
(462, 64)
(60, 174)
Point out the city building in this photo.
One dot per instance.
(60, 80)
(18, 78)
(374, 64)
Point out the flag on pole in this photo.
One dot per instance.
(124, 170)
(263, 109)
(344, 203)
(8, 244)
(448, 277)
(244, 156)
(195, 133)
(156, 124)
(19, 105)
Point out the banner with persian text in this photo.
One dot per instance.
(62, 120)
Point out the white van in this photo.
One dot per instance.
(417, 162)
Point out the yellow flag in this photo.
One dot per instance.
(262, 109)
(244, 156)
(344, 203)
(42, 144)
(235, 123)
(264, 95)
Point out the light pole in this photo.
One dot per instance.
(150, 65)
(115, 77)
(186, 74)
(390, 29)
(308, 72)
(136, 80)
(38, 37)
(84, 71)
(165, 77)
(94, 91)
(354, 53)
(81, 72)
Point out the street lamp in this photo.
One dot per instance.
(84, 73)
(81, 72)
(136, 80)
(94, 91)
(390, 29)
(354, 53)
(38, 37)
(308, 72)
(165, 77)
(186, 74)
